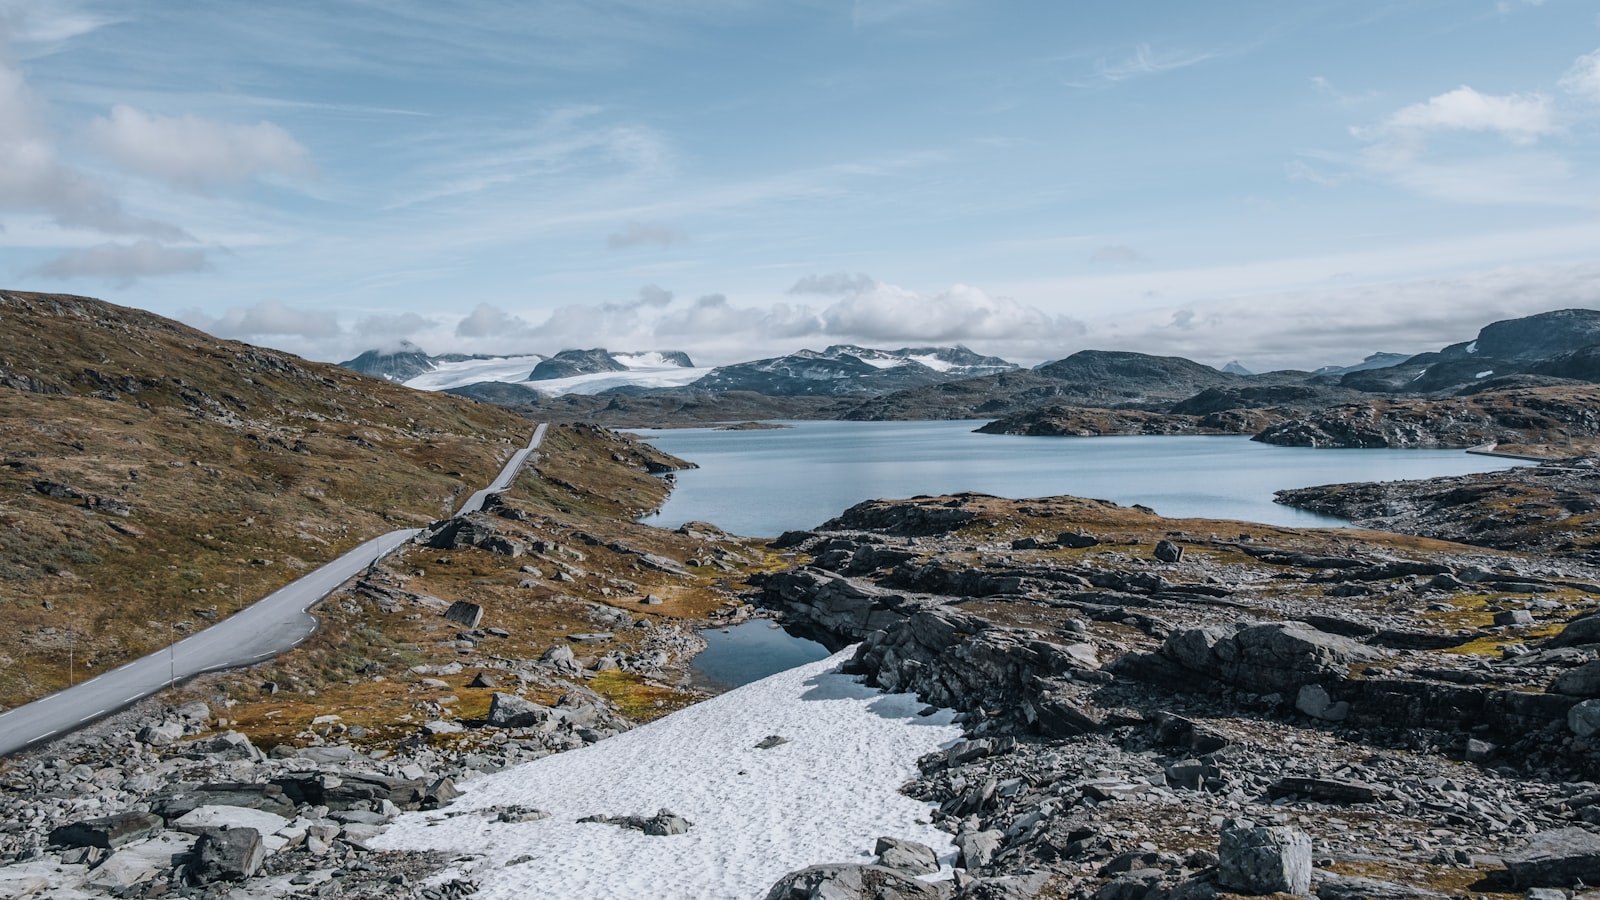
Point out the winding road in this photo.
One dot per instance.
(264, 629)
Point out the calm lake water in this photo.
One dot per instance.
(750, 651)
(762, 483)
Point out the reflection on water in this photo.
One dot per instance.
(750, 651)
(762, 483)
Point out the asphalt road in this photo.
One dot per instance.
(271, 625)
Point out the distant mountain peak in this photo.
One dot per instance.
(1234, 368)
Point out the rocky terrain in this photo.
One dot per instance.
(1550, 509)
(545, 622)
(1161, 708)
(154, 478)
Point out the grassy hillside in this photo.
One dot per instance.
(153, 478)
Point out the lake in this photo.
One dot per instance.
(760, 483)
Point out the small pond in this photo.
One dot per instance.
(750, 651)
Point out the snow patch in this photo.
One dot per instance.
(594, 383)
(1484, 374)
(825, 796)
(1473, 348)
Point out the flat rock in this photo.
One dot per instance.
(109, 832)
(1556, 859)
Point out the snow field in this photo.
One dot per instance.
(758, 814)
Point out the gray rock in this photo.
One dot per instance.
(1276, 657)
(663, 823)
(1313, 700)
(515, 814)
(464, 613)
(120, 871)
(173, 804)
(1168, 552)
(907, 856)
(160, 734)
(977, 848)
(1263, 860)
(1513, 617)
(1556, 859)
(1584, 718)
(511, 711)
(770, 741)
(232, 854)
(1583, 681)
(843, 881)
(108, 832)
(228, 745)
(1583, 630)
(1076, 540)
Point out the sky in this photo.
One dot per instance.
(1289, 185)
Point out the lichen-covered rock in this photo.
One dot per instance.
(1265, 860)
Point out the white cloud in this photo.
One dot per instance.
(33, 178)
(196, 153)
(392, 327)
(487, 321)
(637, 234)
(959, 313)
(268, 318)
(1583, 79)
(1342, 325)
(123, 263)
(1520, 118)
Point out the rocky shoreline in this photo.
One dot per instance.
(1417, 715)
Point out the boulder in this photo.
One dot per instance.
(120, 871)
(844, 881)
(160, 734)
(1313, 700)
(1273, 657)
(1264, 860)
(465, 614)
(1557, 858)
(977, 848)
(206, 819)
(1584, 718)
(231, 854)
(1582, 630)
(511, 711)
(1583, 681)
(173, 804)
(228, 745)
(108, 832)
(1168, 552)
(1076, 540)
(907, 856)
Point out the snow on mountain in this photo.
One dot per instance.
(650, 369)
(848, 370)
(824, 796)
(641, 377)
(471, 371)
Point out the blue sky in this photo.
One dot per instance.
(1287, 184)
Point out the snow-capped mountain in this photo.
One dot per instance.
(848, 370)
(568, 372)
(840, 370)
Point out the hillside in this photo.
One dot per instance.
(155, 477)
